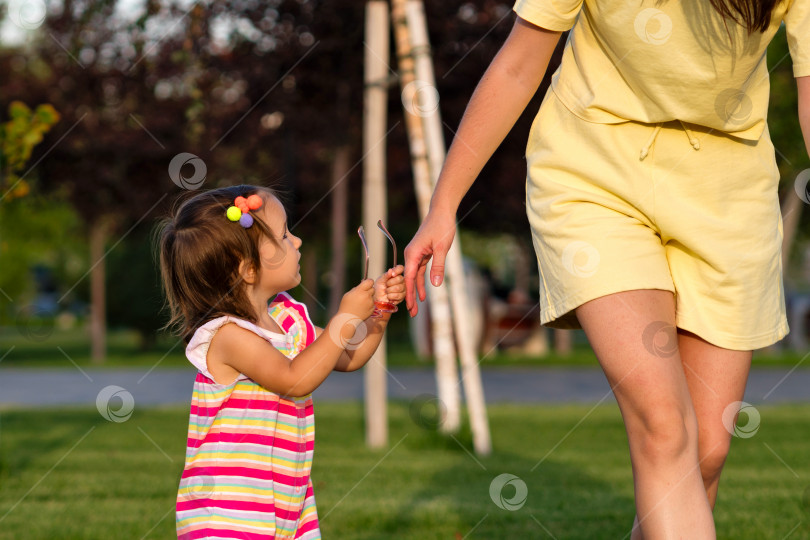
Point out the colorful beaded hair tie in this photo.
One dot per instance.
(241, 207)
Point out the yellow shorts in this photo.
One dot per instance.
(703, 223)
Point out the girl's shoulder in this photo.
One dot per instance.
(197, 348)
(291, 316)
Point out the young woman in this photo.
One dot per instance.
(652, 198)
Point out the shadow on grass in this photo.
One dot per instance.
(430, 485)
(507, 495)
(71, 474)
(33, 441)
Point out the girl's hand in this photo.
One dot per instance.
(359, 301)
(390, 287)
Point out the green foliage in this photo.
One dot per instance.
(783, 118)
(126, 349)
(38, 230)
(70, 474)
(18, 137)
(134, 295)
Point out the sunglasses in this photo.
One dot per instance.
(379, 307)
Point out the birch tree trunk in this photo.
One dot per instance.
(434, 140)
(441, 321)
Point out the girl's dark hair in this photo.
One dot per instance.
(200, 253)
(754, 15)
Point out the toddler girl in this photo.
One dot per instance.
(227, 258)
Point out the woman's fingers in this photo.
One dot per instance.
(414, 275)
(432, 240)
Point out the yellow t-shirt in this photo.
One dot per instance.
(657, 62)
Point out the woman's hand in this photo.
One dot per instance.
(390, 287)
(432, 240)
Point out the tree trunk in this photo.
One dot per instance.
(340, 211)
(522, 269)
(537, 343)
(377, 35)
(98, 318)
(309, 276)
(791, 210)
(441, 322)
(434, 145)
(563, 341)
(791, 215)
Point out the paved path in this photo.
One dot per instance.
(52, 387)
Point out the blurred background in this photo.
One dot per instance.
(99, 98)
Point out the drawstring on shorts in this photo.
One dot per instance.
(646, 148)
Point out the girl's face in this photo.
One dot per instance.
(279, 270)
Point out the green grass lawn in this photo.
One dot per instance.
(59, 348)
(69, 474)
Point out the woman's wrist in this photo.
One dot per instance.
(441, 205)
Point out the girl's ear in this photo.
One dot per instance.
(248, 272)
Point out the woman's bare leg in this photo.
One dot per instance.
(635, 340)
(716, 378)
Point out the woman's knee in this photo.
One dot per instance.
(664, 434)
(712, 454)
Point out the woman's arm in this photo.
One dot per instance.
(803, 85)
(506, 88)
(500, 97)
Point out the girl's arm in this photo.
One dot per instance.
(358, 354)
(500, 97)
(235, 350)
(388, 288)
(803, 85)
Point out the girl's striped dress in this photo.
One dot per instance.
(249, 452)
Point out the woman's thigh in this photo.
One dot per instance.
(634, 337)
